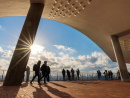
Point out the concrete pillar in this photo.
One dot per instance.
(120, 59)
(15, 73)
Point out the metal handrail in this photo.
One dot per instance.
(57, 76)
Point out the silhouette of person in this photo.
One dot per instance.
(48, 73)
(106, 74)
(111, 75)
(63, 73)
(27, 73)
(68, 74)
(36, 68)
(118, 75)
(44, 71)
(99, 75)
(78, 72)
(72, 73)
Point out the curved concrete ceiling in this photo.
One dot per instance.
(98, 19)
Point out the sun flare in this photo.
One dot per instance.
(35, 49)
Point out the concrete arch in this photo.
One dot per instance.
(97, 19)
(100, 17)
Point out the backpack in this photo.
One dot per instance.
(34, 67)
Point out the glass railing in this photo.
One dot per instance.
(57, 76)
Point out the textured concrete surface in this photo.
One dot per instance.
(68, 89)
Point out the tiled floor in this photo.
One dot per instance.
(68, 89)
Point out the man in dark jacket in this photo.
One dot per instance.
(63, 73)
(72, 73)
(44, 71)
(36, 68)
(111, 75)
(68, 74)
(99, 75)
(48, 73)
(78, 73)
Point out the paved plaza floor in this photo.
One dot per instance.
(68, 89)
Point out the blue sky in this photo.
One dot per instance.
(61, 45)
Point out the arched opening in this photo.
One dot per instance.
(59, 44)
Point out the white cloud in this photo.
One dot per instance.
(96, 61)
(1, 50)
(4, 64)
(93, 62)
(65, 48)
(7, 54)
(11, 47)
(61, 53)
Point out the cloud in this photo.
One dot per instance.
(65, 48)
(11, 47)
(93, 62)
(96, 61)
(7, 54)
(1, 50)
(4, 64)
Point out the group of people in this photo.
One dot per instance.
(44, 72)
(44, 69)
(70, 74)
(108, 75)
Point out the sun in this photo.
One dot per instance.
(35, 49)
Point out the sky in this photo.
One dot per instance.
(61, 45)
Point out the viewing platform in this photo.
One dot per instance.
(68, 89)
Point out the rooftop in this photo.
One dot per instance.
(68, 89)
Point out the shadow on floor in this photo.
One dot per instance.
(58, 93)
(9, 91)
(40, 93)
(58, 85)
(85, 83)
(25, 84)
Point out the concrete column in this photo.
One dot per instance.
(120, 59)
(15, 73)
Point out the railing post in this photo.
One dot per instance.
(57, 76)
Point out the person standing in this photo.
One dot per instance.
(78, 72)
(118, 75)
(106, 74)
(72, 73)
(27, 73)
(36, 68)
(44, 71)
(111, 75)
(48, 73)
(99, 75)
(68, 74)
(63, 73)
